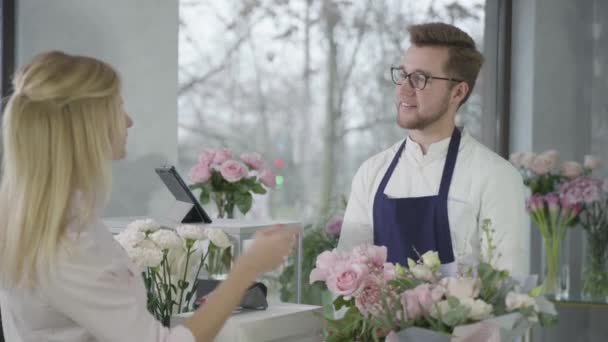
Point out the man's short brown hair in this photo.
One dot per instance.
(464, 60)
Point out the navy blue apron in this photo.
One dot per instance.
(415, 225)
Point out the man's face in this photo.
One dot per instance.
(419, 109)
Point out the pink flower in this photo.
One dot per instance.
(515, 158)
(534, 203)
(200, 173)
(418, 301)
(206, 157)
(581, 190)
(571, 169)
(268, 178)
(325, 262)
(347, 279)
(221, 155)
(253, 160)
(233, 171)
(542, 164)
(552, 156)
(373, 256)
(527, 159)
(552, 200)
(592, 163)
(334, 225)
(369, 301)
(389, 271)
(461, 287)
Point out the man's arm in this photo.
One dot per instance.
(357, 223)
(503, 202)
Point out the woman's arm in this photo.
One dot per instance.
(267, 252)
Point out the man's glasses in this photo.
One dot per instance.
(416, 79)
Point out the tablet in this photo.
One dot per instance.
(176, 185)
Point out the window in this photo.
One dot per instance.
(306, 82)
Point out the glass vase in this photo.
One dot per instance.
(595, 266)
(556, 269)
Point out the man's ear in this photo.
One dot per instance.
(460, 91)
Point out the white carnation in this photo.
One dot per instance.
(191, 232)
(218, 238)
(145, 257)
(129, 238)
(516, 301)
(145, 226)
(167, 239)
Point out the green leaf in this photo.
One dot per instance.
(547, 320)
(340, 302)
(453, 301)
(257, 188)
(535, 292)
(243, 202)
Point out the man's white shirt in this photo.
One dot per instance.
(484, 186)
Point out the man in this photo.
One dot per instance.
(433, 190)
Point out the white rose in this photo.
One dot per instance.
(145, 226)
(191, 232)
(479, 309)
(422, 272)
(431, 259)
(167, 239)
(145, 257)
(461, 287)
(516, 300)
(218, 238)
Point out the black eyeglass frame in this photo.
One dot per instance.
(426, 77)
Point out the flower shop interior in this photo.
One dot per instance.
(203, 74)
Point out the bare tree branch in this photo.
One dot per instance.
(367, 125)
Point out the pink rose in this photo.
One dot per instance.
(200, 173)
(527, 159)
(541, 165)
(253, 160)
(571, 169)
(233, 171)
(515, 158)
(325, 262)
(334, 225)
(222, 155)
(418, 301)
(206, 157)
(552, 156)
(389, 271)
(347, 279)
(592, 163)
(373, 256)
(268, 178)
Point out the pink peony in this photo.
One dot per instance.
(233, 171)
(325, 262)
(571, 169)
(222, 155)
(592, 163)
(200, 173)
(334, 225)
(268, 178)
(253, 160)
(206, 157)
(347, 279)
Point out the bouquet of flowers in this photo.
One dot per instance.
(591, 194)
(170, 262)
(551, 214)
(383, 301)
(230, 182)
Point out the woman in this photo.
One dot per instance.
(62, 275)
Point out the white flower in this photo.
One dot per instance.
(167, 239)
(422, 272)
(461, 287)
(440, 309)
(479, 309)
(431, 259)
(191, 232)
(516, 300)
(145, 226)
(129, 238)
(218, 238)
(145, 257)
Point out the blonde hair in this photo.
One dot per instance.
(60, 126)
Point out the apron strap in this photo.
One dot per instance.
(450, 163)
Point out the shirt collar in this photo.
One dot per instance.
(437, 150)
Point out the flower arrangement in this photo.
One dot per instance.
(550, 211)
(230, 182)
(382, 300)
(171, 261)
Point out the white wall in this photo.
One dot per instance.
(139, 38)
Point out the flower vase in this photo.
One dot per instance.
(595, 267)
(556, 267)
(225, 205)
